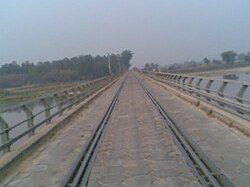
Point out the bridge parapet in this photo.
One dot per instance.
(62, 101)
(230, 95)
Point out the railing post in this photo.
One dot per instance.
(222, 88)
(59, 104)
(80, 95)
(5, 136)
(70, 100)
(221, 91)
(184, 83)
(30, 118)
(47, 109)
(73, 94)
(197, 86)
(190, 81)
(168, 77)
(178, 81)
(173, 78)
(241, 92)
(76, 94)
(179, 78)
(190, 84)
(208, 86)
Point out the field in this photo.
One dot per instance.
(222, 71)
(13, 96)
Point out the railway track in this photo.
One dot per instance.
(202, 167)
(79, 172)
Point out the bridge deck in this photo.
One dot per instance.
(49, 165)
(137, 150)
(227, 147)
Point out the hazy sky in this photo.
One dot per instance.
(162, 31)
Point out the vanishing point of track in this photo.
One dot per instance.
(202, 167)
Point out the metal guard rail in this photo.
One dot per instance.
(79, 94)
(192, 85)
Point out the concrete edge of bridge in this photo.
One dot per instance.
(227, 118)
(10, 159)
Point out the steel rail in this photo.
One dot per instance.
(203, 168)
(79, 172)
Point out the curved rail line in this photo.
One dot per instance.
(79, 173)
(202, 167)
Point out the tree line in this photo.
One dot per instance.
(228, 59)
(81, 67)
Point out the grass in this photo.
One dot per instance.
(25, 93)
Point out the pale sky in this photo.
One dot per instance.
(160, 31)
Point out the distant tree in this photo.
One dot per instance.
(216, 62)
(242, 57)
(206, 61)
(174, 67)
(156, 67)
(247, 57)
(146, 66)
(126, 56)
(67, 69)
(228, 56)
(151, 66)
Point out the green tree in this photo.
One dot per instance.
(206, 61)
(126, 56)
(228, 56)
(67, 69)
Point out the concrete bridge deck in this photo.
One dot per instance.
(136, 149)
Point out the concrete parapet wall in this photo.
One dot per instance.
(10, 159)
(229, 119)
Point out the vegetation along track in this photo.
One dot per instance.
(79, 172)
(202, 167)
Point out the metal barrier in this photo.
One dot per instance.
(211, 90)
(64, 100)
